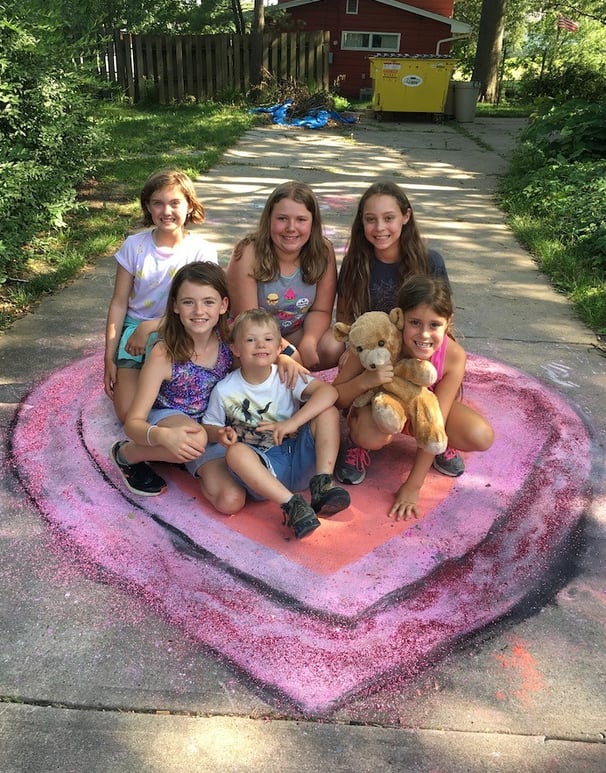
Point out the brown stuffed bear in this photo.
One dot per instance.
(376, 338)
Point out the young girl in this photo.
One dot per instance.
(384, 248)
(428, 312)
(288, 268)
(172, 394)
(163, 422)
(147, 262)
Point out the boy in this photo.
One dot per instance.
(285, 435)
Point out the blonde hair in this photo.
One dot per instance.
(254, 317)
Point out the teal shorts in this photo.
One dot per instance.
(125, 360)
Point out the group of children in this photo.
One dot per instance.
(211, 369)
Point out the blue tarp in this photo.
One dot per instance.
(314, 119)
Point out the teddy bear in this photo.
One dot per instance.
(376, 338)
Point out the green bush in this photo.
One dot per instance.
(572, 80)
(48, 140)
(555, 193)
(573, 131)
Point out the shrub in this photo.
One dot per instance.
(48, 140)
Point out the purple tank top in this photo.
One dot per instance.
(189, 388)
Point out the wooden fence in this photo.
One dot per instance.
(180, 68)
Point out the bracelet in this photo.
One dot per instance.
(149, 429)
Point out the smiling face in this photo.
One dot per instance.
(290, 225)
(169, 209)
(257, 345)
(423, 332)
(199, 308)
(383, 220)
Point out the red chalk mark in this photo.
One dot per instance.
(523, 664)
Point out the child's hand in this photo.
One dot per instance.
(379, 376)
(184, 442)
(227, 436)
(109, 379)
(278, 429)
(137, 341)
(405, 505)
(290, 370)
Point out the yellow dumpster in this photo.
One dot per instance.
(410, 83)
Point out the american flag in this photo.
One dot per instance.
(564, 23)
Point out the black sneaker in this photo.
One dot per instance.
(138, 478)
(351, 465)
(449, 463)
(299, 516)
(326, 498)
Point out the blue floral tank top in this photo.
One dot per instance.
(190, 386)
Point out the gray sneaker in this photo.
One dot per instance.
(351, 465)
(299, 516)
(449, 463)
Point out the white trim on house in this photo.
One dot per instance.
(456, 27)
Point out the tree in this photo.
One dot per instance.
(256, 53)
(489, 49)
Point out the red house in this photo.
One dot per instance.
(363, 28)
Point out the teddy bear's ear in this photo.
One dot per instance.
(341, 331)
(397, 317)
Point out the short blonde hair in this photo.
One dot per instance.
(255, 317)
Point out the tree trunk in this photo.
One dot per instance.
(488, 51)
(256, 49)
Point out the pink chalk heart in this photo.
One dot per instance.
(363, 597)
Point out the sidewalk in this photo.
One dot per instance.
(93, 679)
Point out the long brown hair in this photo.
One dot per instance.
(179, 344)
(354, 277)
(169, 178)
(314, 254)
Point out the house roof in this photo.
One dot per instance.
(456, 27)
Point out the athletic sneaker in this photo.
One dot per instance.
(299, 516)
(138, 478)
(326, 498)
(449, 463)
(351, 465)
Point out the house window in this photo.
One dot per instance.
(370, 41)
(352, 6)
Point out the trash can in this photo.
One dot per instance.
(466, 99)
(410, 83)
(449, 107)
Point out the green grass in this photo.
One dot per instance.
(139, 141)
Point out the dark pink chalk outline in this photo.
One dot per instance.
(317, 640)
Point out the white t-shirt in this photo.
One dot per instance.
(153, 269)
(236, 403)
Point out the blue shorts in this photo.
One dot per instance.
(213, 450)
(134, 361)
(293, 462)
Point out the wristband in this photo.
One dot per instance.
(149, 429)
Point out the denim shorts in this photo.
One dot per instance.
(293, 462)
(213, 450)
